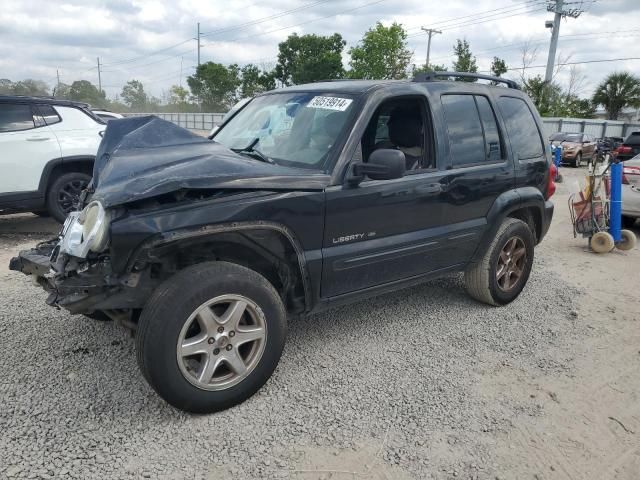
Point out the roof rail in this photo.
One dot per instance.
(431, 76)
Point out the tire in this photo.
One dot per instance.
(481, 278)
(602, 242)
(628, 241)
(63, 194)
(171, 322)
(577, 163)
(628, 222)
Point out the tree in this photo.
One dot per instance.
(215, 85)
(498, 67)
(465, 61)
(309, 58)
(27, 87)
(255, 81)
(85, 91)
(433, 67)
(381, 54)
(178, 95)
(134, 96)
(617, 91)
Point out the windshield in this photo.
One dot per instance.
(292, 129)
(566, 137)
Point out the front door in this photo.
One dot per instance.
(383, 231)
(26, 147)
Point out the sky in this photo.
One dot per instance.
(154, 40)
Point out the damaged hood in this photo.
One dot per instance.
(143, 157)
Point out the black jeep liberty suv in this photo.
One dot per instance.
(307, 197)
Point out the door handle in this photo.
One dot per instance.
(37, 139)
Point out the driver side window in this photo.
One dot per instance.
(401, 124)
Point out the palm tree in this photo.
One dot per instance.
(619, 90)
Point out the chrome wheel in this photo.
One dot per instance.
(222, 342)
(512, 262)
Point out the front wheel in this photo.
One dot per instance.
(578, 161)
(499, 277)
(211, 336)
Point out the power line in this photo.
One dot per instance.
(605, 60)
(264, 19)
(477, 16)
(486, 19)
(349, 10)
(146, 55)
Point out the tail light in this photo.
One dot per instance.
(623, 149)
(551, 184)
(628, 170)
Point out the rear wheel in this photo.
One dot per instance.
(64, 194)
(211, 336)
(499, 277)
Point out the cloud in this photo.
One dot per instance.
(152, 40)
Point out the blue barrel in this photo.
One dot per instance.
(615, 210)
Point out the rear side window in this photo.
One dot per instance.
(49, 114)
(633, 139)
(473, 131)
(522, 128)
(493, 147)
(15, 117)
(466, 141)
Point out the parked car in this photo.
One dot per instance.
(106, 115)
(631, 191)
(576, 147)
(356, 188)
(48, 148)
(629, 148)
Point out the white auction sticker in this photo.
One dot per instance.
(330, 103)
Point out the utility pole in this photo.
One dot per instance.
(556, 6)
(99, 77)
(181, 59)
(198, 38)
(430, 32)
(58, 86)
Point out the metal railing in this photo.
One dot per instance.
(192, 121)
(596, 127)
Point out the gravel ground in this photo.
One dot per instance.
(380, 389)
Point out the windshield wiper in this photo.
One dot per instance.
(254, 152)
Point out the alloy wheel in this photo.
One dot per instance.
(69, 195)
(222, 342)
(512, 263)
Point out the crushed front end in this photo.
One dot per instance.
(75, 268)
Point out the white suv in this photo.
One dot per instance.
(47, 150)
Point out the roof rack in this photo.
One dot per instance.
(431, 76)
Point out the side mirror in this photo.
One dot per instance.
(383, 164)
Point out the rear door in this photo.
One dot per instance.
(26, 145)
(78, 133)
(479, 170)
(525, 141)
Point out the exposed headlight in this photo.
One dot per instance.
(95, 226)
(86, 231)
